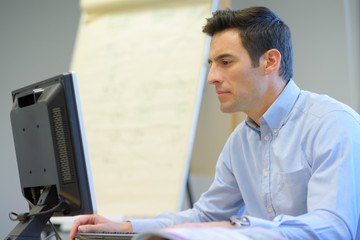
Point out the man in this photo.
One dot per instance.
(293, 164)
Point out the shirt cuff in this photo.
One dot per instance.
(258, 222)
(144, 224)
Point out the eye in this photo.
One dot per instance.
(225, 62)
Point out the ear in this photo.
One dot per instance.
(272, 60)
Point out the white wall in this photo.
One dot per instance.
(36, 42)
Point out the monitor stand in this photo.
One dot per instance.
(31, 227)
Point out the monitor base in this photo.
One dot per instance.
(33, 223)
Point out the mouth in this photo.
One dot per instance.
(222, 92)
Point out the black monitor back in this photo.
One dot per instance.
(50, 144)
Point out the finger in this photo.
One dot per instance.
(78, 222)
(93, 228)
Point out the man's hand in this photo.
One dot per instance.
(96, 223)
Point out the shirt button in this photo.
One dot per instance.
(267, 138)
(266, 173)
(269, 209)
(275, 130)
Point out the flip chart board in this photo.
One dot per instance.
(141, 67)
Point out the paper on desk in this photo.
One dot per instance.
(209, 233)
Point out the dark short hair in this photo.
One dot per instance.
(260, 30)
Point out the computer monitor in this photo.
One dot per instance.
(51, 152)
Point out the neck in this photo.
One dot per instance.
(273, 92)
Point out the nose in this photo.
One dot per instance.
(214, 76)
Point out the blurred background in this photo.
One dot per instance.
(37, 41)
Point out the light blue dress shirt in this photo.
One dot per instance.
(298, 173)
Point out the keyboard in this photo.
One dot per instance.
(106, 236)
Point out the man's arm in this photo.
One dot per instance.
(222, 200)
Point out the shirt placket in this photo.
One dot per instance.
(266, 138)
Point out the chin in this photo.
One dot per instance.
(227, 109)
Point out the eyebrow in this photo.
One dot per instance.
(220, 56)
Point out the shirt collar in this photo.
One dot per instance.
(276, 115)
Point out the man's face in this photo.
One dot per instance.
(239, 86)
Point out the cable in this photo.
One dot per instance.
(25, 216)
(49, 236)
(19, 217)
(55, 232)
(47, 211)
